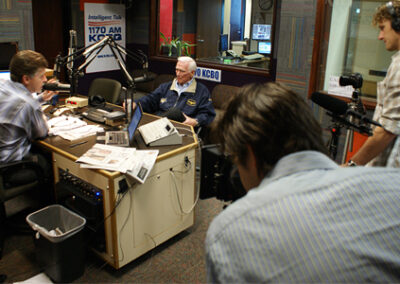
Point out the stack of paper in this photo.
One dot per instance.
(71, 128)
(135, 163)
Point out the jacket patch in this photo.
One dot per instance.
(163, 100)
(191, 102)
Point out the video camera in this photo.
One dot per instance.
(219, 178)
(355, 80)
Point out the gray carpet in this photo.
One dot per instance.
(179, 260)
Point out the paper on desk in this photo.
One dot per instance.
(142, 164)
(71, 128)
(135, 163)
(81, 132)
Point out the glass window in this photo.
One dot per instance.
(354, 46)
(229, 32)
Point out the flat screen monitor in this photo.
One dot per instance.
(261, 32)
(223, 42)
(264, 47)
(4, 74)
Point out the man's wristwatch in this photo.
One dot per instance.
(350, 163)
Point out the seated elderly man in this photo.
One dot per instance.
(184, 99)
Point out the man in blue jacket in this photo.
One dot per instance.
(184, 94)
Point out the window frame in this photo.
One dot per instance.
(154, 42)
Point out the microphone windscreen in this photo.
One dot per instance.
(174, 114)
(332, 104)
(56, 87)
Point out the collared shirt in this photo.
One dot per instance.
(181, 88)
(310, 221)
(195, 101)
(21, 121)
(387, 113)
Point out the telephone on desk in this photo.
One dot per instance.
(232, 53)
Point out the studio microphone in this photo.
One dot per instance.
(332, 104)
(57, 67)
(71, 49)
(57, 87)
(174, 114)
(145, 78)
(339, 107)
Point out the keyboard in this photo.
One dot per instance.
(253, 56)
(119, 137)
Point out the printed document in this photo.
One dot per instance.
(135, 163)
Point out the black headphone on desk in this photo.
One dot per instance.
(97, 101)
(395, 18)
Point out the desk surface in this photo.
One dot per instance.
(62, 146)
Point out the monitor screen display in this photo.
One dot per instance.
(4, 74)
(261, 32)
(264, 47)
(137, 116)
(223, 42)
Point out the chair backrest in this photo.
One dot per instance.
(162, 78)
(109, 89)
(221, 95)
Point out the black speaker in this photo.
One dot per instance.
(395, 18)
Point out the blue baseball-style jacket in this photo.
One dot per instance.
(195, 101)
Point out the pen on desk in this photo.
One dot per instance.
(77, 144)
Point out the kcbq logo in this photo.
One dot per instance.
(208, 74)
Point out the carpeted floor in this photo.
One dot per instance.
(179, 260)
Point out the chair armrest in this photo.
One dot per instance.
(21, 165)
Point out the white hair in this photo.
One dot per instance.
(192, 64)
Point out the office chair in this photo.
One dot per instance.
(16, 178)
(109, 89)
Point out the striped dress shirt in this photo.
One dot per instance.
(387, 113)
(21, 121)
(310, 221)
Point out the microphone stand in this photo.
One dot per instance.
(335, 131)
(118, 51)
(356, 106)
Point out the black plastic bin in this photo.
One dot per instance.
(59, 242)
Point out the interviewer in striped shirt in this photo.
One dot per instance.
(304, 219)
(21, 117)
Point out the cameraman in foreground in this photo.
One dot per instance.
(304, 218)
(383, 147)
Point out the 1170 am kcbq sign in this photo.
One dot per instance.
(104, 20)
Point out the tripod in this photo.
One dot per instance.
(355, 106)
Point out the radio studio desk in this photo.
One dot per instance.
(147, 215)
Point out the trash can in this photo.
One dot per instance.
(59, 242)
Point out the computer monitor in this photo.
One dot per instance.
(261, 32)
(137, 116)
(264, 47)
(223, 43)
(5, 74)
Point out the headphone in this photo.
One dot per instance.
(395, 19)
